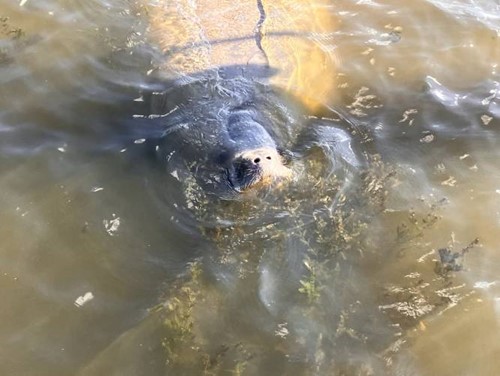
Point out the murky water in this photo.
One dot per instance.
(109, 265)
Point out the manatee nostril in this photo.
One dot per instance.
(246, 172)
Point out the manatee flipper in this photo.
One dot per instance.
(336, 143)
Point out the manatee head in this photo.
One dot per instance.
(252, 159)
(226, 137)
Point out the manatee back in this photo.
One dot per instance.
(292, 39)
(246, 133)
(201, 128)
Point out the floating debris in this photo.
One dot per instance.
(367, 51)
(96, 189)
(450, 182)
(440, 168)
(486, 101)
(140, 141)
(452, 297)
(363, 100)
(282, 330)
(175, 174)
(486, 119)
(424, 256)
(112, 225)
(385, 39)
(427, 139)
(81, 300)
(413, 275)
(407, 114)
(484, 285)
(392, 350)
(416, 308)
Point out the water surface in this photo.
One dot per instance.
(344, 277)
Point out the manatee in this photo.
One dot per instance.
(224, 135)
(239, 78)
(239, 90)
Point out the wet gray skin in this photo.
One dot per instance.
(235, 136)
(252, 153)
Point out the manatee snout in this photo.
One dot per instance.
(255, 159)
(257, 167)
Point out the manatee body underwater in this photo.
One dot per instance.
(223, 136)
(237, 111)
(238, 85)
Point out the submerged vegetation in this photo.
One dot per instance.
(310, 285)
(14, 40)
(323, 241)
(179, 315)
(317, 229)
(11, 38)
(186, 350)
(450, 261)
(429, 284)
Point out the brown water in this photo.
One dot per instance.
(86, 211)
